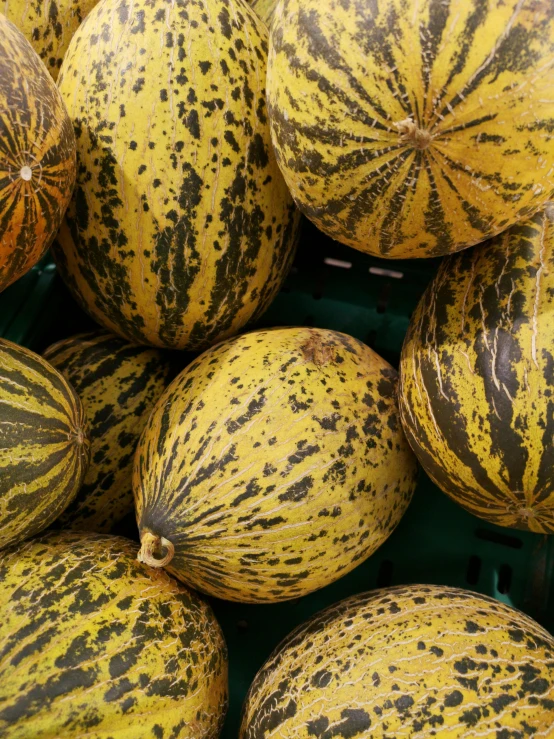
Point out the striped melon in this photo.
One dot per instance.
(44, 446)
(273, 465)
(409, 662)
(96, 645)
(37, 156)
(48, 25)
(477, 377)
(264, 9)
(118, 384)
(181, 228)
(414, 128)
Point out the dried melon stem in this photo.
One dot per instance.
(80, 436)
(412, 135)
(150, 544)
(316, 351)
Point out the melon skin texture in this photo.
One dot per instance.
(273, 465)
(264, 9)
(37, 156)
(97, 645)
(411, 661)
(119, 384)
(181, 228)
(48, 25)
(44, 444)
(413, 128)
(477, 377)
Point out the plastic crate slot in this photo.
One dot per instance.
(384, 576)
(381, 272)
(504, 579)
(473, 569)
(370, 339)
(496, 537)
(242, 625)
(383, 299)
(337, 263)
(319, 283)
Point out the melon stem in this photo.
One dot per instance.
(316, 351)
(411, 134)
(150, 544)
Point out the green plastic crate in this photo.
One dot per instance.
(436, 542)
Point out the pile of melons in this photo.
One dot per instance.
(165, 152)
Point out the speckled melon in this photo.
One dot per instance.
(182, 228)
(413, 662)
(414, 128)
(44, 445)
(273, 465)
(37, 156)
(264, 9)
(96, 645)
(48, 25)
(119, 385)
(477, 377)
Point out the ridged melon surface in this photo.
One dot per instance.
(96, 645)
(477, 377)
(414, 662)
(273, 465)
(44, 445)
(37, 156)
(119, 385)
(181, 228)
(414, 128)
(48, 25)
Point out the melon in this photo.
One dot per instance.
(37, 156)
(477, 377)
(48, 25)
(119, 385)
(415, 661)
(44, 445)
(273, 465)
(96, 645)
(414, 128)
(264, 9)
(181, 228)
